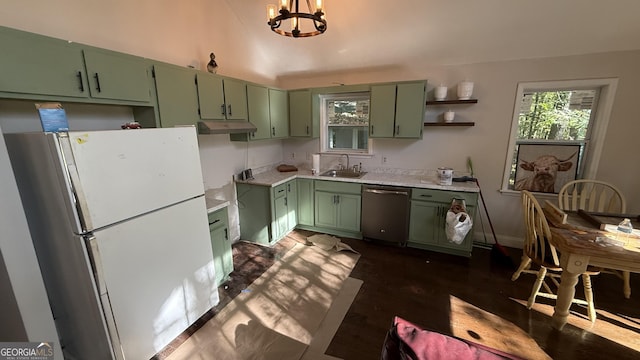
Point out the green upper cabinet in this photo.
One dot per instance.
(235, 99)
(397, 110)
(258, 104)
(382, 112)
(35, 66)
(302, 121)
(177, 95)
(117, 76)
(210, 96)
(278, 113)
(32, 64)
(268, 112)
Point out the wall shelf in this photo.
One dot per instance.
(453, 123)
(449, 102)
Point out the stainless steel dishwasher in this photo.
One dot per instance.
(385, 213)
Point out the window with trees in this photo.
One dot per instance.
(561, 113)
(345, 123)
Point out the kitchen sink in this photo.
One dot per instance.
(343, 173)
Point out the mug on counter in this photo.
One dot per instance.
(446, 175)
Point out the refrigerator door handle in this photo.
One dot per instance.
(94, 254)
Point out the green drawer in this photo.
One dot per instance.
(338, 187)
(218, 218)
(280, 191)
(443, 196)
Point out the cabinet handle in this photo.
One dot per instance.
(289, 187)
(97, 82)
(371, 129)
(81, 87)
(273, 131)
(214, 221)
(286, 202)
(337, 199)
(223, 110)
(226, 234)
(426, 195)
(230, 112)
(280, 190)
(307, 129)
(397, 129)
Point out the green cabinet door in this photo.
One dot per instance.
(281, 218)
(325, 209)
(32, 64)
(177, 95)
(382, 111)
(410, 107)
(292, 205)
(221, 245)
(305, 202)
(278, 113)
(210, 96)
(235, 99)
(423, 222)
(348, 212)
(258, 106)
(397, 110)
(300, 114)
(117, 76)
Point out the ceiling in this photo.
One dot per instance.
(378, 34)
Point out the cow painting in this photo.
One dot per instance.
(545, 170)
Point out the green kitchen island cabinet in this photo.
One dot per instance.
(338, 207)
(221, 244)
(266, 213)
(397, 110)
(427, 220)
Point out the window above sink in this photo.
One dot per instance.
(345, 123)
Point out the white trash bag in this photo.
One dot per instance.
(458, 222)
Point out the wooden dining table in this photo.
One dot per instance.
(579, 246)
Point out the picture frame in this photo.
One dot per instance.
(546, 167)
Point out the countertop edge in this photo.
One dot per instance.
(275, 178)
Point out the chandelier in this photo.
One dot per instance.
(289, 10)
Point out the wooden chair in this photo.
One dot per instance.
(596, 196)
(538, 251)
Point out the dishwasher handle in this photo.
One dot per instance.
(388, 192)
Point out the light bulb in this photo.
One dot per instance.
(271, 12)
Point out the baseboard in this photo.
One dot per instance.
(509, 241)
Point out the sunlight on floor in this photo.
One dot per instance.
(619, 328)
(474, 324)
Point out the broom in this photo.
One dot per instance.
(498, 252)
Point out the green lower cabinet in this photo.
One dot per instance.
(427, 221)
(221, 245)
(305, 202)
(266, 213)
(338, 206)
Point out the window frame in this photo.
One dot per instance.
(599, 122)
(324, 126)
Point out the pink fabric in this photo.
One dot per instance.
(431, 345)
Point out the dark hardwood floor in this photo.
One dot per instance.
(469, 298)
(476, 299)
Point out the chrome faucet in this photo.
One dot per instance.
(347, 155)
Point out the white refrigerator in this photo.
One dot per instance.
(119, 223)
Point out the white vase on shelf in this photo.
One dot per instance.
(449, 116)
(465, 90)
(440, 93)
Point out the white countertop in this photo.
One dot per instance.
(275, 178)
(214, 204)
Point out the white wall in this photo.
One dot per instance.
(486, 143)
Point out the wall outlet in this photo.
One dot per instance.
(293, 155)
(384, 159)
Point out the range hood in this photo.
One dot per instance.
(225, 127)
